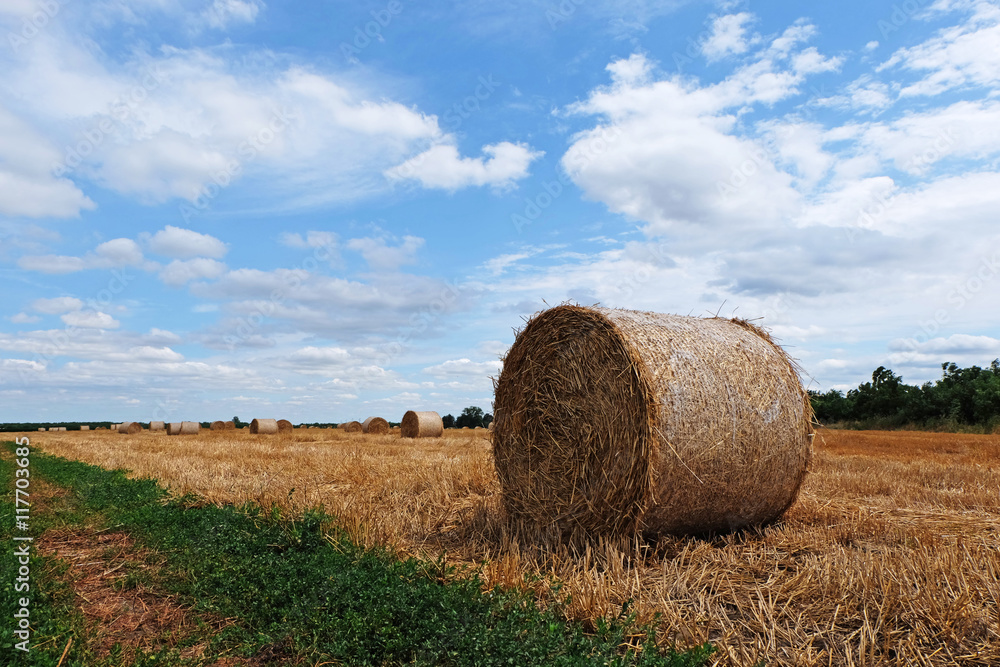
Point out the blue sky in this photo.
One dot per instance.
(325, 210)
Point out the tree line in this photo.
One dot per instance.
(962, 398)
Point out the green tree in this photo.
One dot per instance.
(448, 421)
(471, 417)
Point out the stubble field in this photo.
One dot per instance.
(889, 557)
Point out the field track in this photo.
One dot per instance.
(889, 556)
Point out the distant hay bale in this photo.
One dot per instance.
(217, 426)
(375, 426)
(351, 427)
(612, 421)
(285, 426)
(421, 425)
(114, 427)
(174, 428)
(130, 428)
(264, 426)
(189, 428)
(157, 426)
(230, 426)
(490, 427)
(84, 427)
(42, 428)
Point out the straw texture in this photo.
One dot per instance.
(130, 428)
(157, 426)
(612, 421)
(421, 425)
(84, 427)
(230, 426)
(217, 426)
(174, 428)
(189, 428)
(375, 425)
(285, 426)
(351, 427)
(264, 426)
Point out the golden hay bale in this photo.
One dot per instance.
(157, 426)
(608, 421)
(375, 426)
(130, 428)
(490, 427)
(84, 427)
(285, 426)
(421, 425)
(174, 428)
(42, 428)
(114, 427)
(264, 426)
(351, 427)
(217, 426)
(230, 426)
(189, 428)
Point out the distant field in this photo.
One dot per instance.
(889, 556)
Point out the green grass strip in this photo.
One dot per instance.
(301, 588)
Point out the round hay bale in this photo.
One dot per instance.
(174, 428)
(375, 426)
(189, 428)
(157, 426)
(217, 426)
(285, 426)
(84, 427)
(130, 428)
(42, 429)
(114, 427)
(421, 425)
(611, 421)
(264, 426)
(352, 427)
(230, 426)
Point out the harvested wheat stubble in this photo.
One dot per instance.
(375, 426)
(351, 427)
(189, 428)
(285, 426)
(217, 426)
(130, 428)
(612, 421)
(157, 426)
(421, 425)
(174, 428)
(264, 426)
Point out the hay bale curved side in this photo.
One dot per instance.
(174, 428)
(157, 426)
(375, 426)
(264, 426)
(285, 426)
(189, 428)
(130, 428)
(425, 424)
(230, 426)
(609, 421)
(217, 426)
(351, 427)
